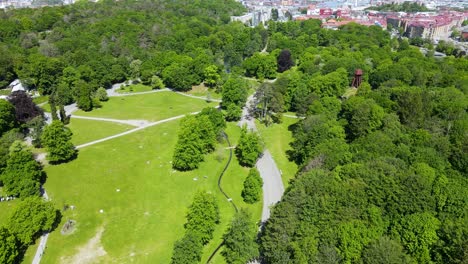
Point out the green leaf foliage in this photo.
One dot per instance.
(57, 140)
(30, 218)
(202, 216)
(23, 174)
(197, 137)
(252, 191)
(248, 148)
(9, 247)
(234, 92)
(239, 240)
(187, 250)
(7, 116)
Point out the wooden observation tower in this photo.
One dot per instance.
(357, 80)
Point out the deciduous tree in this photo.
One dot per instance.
(32, 216)
(57, 140)
(23, 175)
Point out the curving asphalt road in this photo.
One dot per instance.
(273, 188)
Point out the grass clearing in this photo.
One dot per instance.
(134, 88)
(5, 91)
(85, 131)
(203, 91)
(41, 99)
(144, 201)
(6, 208)
(277, 138)
(151, 107)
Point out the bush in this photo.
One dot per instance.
(252, 191)
(101, 94)
(156, 82)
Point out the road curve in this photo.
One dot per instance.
(273, 188)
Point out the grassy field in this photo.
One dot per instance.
(41, 99)
(6, 208)
(277, 138)
(5, 91)
(203, 91)
(144, 201)
(134, 88)
(152, 107)
(88, 130)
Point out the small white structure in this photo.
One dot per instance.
(16, 85)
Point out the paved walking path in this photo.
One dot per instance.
(132, 122)
(273, 188)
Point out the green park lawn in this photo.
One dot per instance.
(5, 91)
(41, 99)
(142, 221)
(134, 88)
(6, 208)
(203, 91)
(277, 138)
(151, 107)
(88, 130)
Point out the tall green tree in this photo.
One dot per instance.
(23, 175)
(187, 250)
(32, 216)
(7, 116)
(202, 216)
(239, 240)
(252, 191)
(249, 148)
(234, 92)
(57, 140)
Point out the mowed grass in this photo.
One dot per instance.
(277, 138)
(203, 91)
(85, 131)
(134, 88)
(6, 209)
(145, 217)
(151, 107)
